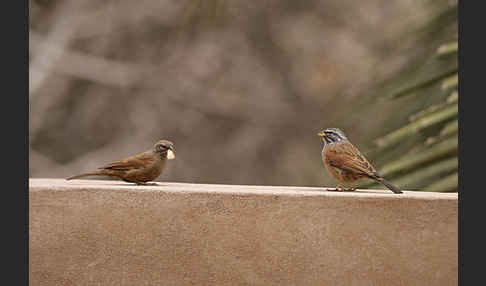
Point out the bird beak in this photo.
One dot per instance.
(322, 134)
(170, 154)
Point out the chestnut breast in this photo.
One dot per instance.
(345, 162)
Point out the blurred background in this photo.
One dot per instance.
(242, 87)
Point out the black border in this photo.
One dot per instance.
(15, 121)
(471, 118)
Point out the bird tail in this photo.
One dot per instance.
(389, 185)
(95, 173)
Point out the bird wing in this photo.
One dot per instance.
(141, 160)
(348, 158)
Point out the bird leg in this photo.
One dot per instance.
(336, 189)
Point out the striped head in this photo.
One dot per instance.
(165, 149)
(332, 135)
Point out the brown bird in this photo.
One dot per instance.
(138, 169)
(345, 162)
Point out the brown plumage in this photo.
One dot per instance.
(137, 169)
(345, 162)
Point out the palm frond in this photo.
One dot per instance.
(429, 162)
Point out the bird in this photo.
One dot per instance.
(346, 163)
(140, 168)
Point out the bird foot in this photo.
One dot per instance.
(342, 190)
(146, 184)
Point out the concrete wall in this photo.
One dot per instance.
(112, 233)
